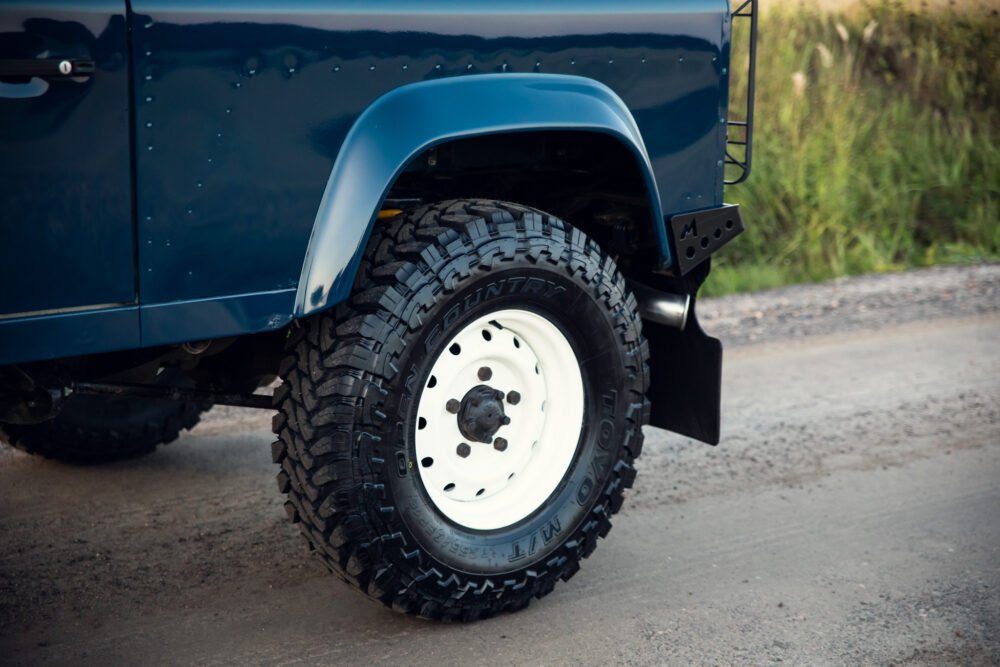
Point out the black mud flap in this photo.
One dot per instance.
(686, 386)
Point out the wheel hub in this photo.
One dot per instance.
(481, 414)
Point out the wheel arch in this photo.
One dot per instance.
(412, 119)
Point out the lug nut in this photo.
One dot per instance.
(452, 406)
(513, 397)
(463, 450)
(485, 373)
(500, 444)
(505, 420)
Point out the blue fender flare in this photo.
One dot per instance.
(408, 120)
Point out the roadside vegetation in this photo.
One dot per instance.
(877, 144)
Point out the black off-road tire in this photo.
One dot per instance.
(93, 429)
(352, 377)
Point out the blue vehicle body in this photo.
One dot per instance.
(220, 171)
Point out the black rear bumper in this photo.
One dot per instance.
(698, 234)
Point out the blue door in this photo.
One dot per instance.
(66, 227)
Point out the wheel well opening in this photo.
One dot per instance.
(590, 179)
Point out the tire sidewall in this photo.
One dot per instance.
(576, 308)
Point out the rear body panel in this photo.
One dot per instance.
(240, 112)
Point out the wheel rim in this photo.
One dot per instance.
(499, 419)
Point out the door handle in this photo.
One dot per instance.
(50, 68)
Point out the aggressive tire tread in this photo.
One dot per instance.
(338, 364)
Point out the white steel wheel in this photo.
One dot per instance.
(499, 419)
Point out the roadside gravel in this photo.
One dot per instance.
(853, 304)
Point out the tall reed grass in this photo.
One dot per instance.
(876, 147)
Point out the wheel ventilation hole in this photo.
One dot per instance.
(432, 382)
(421, 423)
(487, 336)
(480, 492)
(450, 486)
(455, 349)
(517, 343)
(427, 462)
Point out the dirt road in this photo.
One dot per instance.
(851, 515)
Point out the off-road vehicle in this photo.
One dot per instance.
(466, 237)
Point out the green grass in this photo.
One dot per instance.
(872, 154)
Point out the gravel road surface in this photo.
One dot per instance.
(851, 515)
